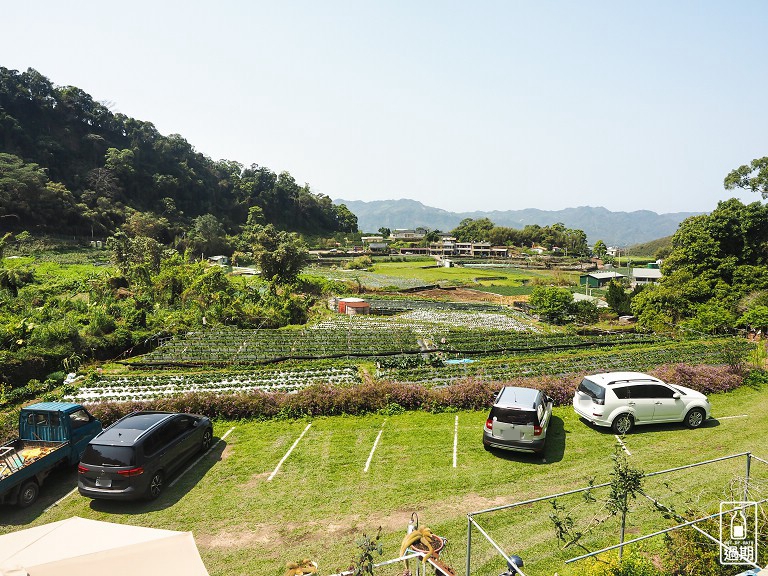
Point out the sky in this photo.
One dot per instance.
(481, 105)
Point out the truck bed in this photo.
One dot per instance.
(18, 455)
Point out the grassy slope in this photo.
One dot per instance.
(321, 500)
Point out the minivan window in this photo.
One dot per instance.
(105, 455)
(591, 389)
(512, 416)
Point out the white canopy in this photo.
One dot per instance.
(77, 546)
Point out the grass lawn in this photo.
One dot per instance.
(461, 276)
(321, 498)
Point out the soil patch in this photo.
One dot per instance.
(467, 295)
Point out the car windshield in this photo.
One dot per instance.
(512, 416)
(104, 455)
(676, 389)
(591, 389)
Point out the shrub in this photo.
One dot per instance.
(703, 378)
(371, 397)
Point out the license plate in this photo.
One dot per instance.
(102, 482)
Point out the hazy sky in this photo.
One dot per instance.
(473, 105)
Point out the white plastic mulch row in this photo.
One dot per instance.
(129, 389)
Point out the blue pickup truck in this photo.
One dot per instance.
(51, 434)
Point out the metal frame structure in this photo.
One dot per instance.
(473, 523)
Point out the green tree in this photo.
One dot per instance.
(756, 318)
(618, 299)
(3, 243)
(280, 255)
(551, 303)
(346, 221)
(752, 177)
(385, 232)
(600, 249)
(470, 230)
(207, 236)
(584, 312)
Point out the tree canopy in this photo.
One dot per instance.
(716, 271)
(752, 177)
(556, 235)
(70, 165)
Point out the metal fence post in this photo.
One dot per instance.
(469, 543)
(746, 482)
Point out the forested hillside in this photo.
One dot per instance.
(70, 165)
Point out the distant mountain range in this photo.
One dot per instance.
(613, 228)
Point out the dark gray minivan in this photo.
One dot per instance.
(518, 420)
(132, 458)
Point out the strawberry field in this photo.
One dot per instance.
(410, 341)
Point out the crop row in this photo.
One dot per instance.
(584, 361)
(156, 386)
(413, 304)
(358, 336)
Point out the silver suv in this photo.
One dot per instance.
(518, 420)
(622, 400)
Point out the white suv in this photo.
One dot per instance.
(622, 399)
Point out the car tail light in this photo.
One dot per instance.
(537, 430)
(81, 469)
(600, 401)
(489, 424)
(132, 472)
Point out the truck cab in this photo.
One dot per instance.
(51, 434)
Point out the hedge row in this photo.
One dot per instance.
(327, 400)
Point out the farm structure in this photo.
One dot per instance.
(599, 279)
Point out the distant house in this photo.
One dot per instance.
(220, 260)
(613, 251)
(645, 275)
(599, 279)
(446, 246)
(407, 234)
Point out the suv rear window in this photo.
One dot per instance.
(105, 455)
(512, 416)
(591, 389)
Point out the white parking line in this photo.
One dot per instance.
(729, 417)
(67, 495)
(288, 453)
(455, 439)
(188, 468)
(376, 443)
(623, 446)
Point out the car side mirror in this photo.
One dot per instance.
(676, 395)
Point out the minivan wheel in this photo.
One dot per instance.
(206, 443)
(28, 494)
(155, 486)
(694, 418)
(622, 424)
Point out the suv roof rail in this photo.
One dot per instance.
(627, 380)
